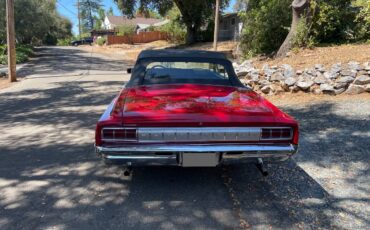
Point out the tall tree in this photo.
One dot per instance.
(88, 9)
(110, 12)
(194, 13)
(99, 18)
(40, 23)
(299, 8)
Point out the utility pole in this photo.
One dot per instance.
(215, 36)
(11, 40)
(79, 19)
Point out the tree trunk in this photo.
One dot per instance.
(192, 27)
(298, 9)
(191, 34)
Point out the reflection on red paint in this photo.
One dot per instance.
(190, 105)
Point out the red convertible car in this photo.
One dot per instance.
(188, 108)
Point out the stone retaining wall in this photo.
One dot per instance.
(350, 78)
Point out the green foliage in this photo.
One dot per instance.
(36, 21)
(194, 13)
(130, 7)
(147, 13)
(303, 37)
(2, 49)
(89, 9)
(207, 35)
(126, 30)
(23, 52)
(266, 24)
(328, 21)
(175, 28)
(99, 18)
(101, 41)
(64, 41)
(363, 20)
(338, 21)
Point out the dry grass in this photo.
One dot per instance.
(305, 98)
(4, 83)
(130, 52)
(126, 51)
(327, 56)
(223, 46)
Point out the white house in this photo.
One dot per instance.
(141, 23)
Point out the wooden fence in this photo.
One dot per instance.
(142, 37)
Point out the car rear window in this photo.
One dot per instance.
(180, 72)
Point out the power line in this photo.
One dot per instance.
(60, 4)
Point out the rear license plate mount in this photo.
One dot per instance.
(200, 159)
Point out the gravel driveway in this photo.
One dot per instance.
(50, 177)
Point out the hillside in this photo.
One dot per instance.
(307, 58)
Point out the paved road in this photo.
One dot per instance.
(50, 177)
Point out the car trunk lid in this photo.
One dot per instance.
(195, 105)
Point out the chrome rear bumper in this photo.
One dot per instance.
(172, 154)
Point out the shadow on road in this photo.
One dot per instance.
(50, 177)
(52, 61)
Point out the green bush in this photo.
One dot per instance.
(126, 30)
(2, 49)
(25, 49)
(303, 37)
(23, 52)
(330, 20)
(100, 41)
(3, 59)
(175, 29)
(266, 24)
(363, 20)
(64, 42)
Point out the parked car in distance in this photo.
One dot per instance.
(188, 108)
(83, 41)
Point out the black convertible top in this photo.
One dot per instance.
(180, 55)
(177, 53)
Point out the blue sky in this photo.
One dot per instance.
(68, 9)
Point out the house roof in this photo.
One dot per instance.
(122, 20)
(176, 53)
(229, 14)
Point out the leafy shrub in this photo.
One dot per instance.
(327, 23)
(64, 42)
(175, 28)
(23, 52)
(363, 20)
(266, 24)
(100, 41)
(21, 57)
(302, 37)
(2, 49)
(126, 30)
(207, 34)
(3, 59)
(25, 49)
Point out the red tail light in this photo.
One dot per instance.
(111, 134)
(277, 134)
